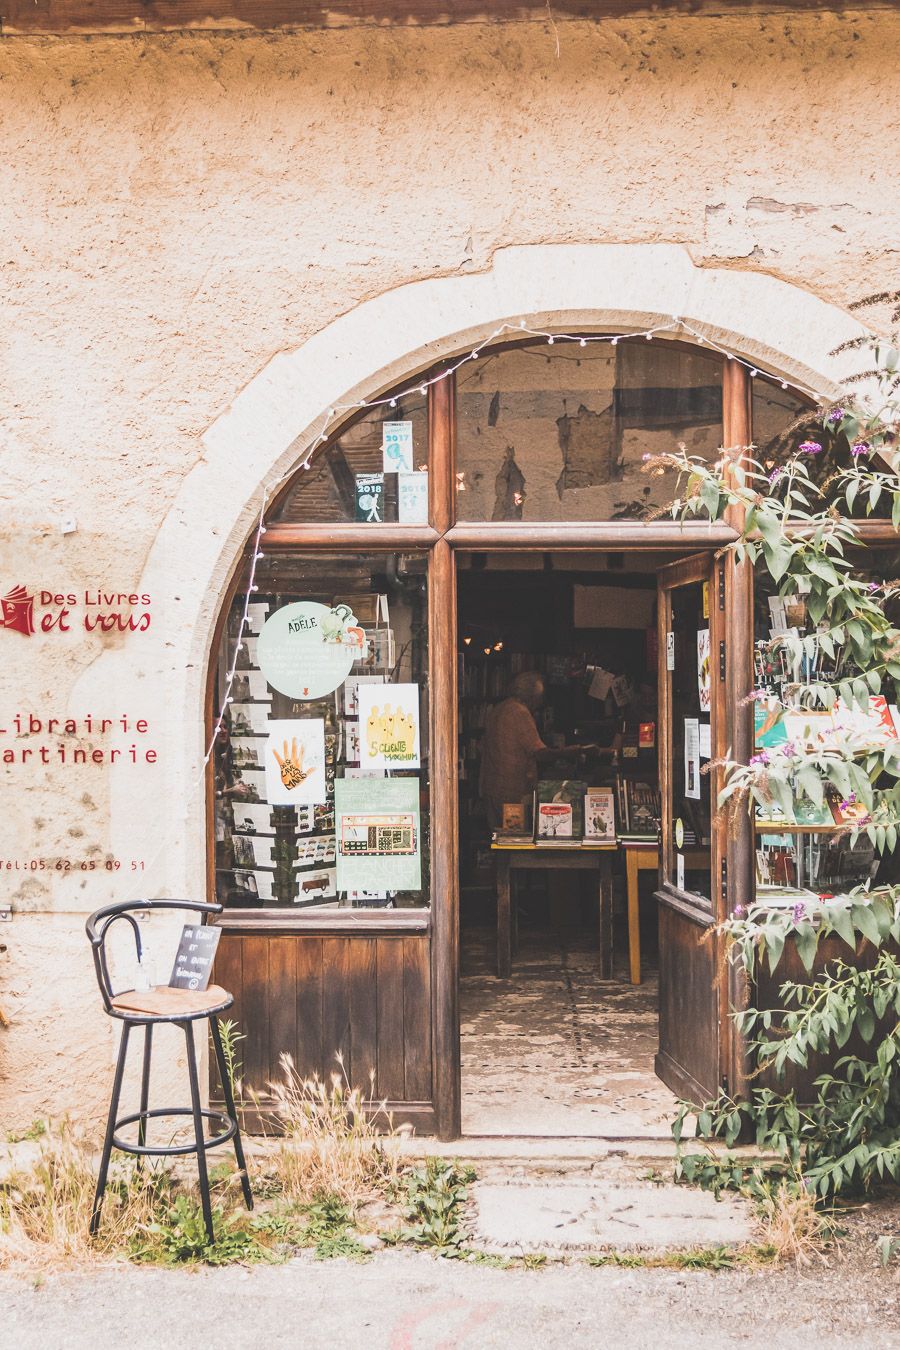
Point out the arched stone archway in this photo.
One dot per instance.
(265, 431)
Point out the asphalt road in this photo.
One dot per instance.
(407, 1301)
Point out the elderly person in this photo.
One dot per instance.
(513, 749)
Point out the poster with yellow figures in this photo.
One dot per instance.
(389, 726)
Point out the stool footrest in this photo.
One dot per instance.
(229, 1130)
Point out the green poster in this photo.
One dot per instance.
(377, 827)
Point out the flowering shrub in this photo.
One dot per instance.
(802, 533)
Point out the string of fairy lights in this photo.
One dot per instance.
(337, 413)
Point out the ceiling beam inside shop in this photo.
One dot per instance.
(24, 17)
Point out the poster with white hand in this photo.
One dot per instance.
(295, 762)
(389, 726)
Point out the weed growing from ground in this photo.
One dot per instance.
(335, 1139)
(435, 1196)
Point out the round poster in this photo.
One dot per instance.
(306, 650)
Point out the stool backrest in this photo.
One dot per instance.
(100, 922)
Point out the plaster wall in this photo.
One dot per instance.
(186, 218)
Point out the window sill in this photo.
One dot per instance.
(347, 923)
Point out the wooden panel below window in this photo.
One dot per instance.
(312, 997)
(688, 1061)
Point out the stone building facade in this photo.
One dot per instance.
(209, 238)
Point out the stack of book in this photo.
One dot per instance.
(639, 810)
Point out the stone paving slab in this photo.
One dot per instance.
(585, 1214)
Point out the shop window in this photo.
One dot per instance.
(808, 851)
(322, 762)
(562, 433)
(374, 471)
(782, 419)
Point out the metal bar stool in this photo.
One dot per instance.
(181, 1007)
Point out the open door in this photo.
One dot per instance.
(694, 1028)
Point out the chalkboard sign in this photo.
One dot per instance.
(193, 963)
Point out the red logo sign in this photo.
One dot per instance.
(17, 610)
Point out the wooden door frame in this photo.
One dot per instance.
(443, 537)
(710, 569)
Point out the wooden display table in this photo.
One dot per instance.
(638, 858)
(546, 857)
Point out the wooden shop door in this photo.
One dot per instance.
(696, 683)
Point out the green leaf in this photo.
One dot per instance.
(840, 921)
(811, 784)
(774, 941)
(807, 939)
(778, 557)
(866, 923)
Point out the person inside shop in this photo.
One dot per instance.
(513, 751)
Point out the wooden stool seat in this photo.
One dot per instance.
(162, 1001)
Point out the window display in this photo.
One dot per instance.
(332, 645)
(373, 472)
(803, 848)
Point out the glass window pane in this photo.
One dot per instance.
(280, 746)
(782, 421)
(818, 854)
(690, 743)
(362, 474)
(560, 433)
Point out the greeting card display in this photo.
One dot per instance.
(256, 615)
(397, 447)
(253, 817)
(351, 691)
(704, 679)
(295, 762)
(389, 726)
(412, 498)
(370, 498)
(313, 886)
(246, 750)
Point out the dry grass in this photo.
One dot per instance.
(792, 1225)
(45, 1208)
(333, 1140)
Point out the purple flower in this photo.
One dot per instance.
(788, 749)
(761, 758)
(836, 415)
(810, 448)
(848, 802)
(775, 475)
(873, 586)
(739, 911)
(798, 912)
(860, 448)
